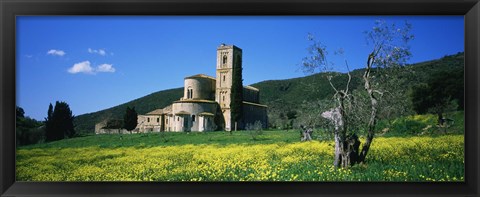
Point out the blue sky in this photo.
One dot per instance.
(97, 62)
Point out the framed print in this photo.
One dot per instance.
(239, 98)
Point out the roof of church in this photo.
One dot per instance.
(255, 104)
(195, 101)
(156, 112)
(200, 76)
(206, 114)
(182, 113)
(251, 88)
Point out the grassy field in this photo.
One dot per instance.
(219, 156)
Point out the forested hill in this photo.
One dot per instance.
(283, 96)
(86, 123)
(280, 95)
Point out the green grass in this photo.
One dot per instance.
(171, 139)
(397, 155)
(422, 125)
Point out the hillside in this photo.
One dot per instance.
(85, 123)
(280, 95)
(283, 96)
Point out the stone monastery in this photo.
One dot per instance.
(205, 105)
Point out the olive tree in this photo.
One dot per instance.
(388, 49)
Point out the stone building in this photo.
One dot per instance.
(205, 105)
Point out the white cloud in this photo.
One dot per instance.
(101, 52)
(106, 68)
(56, 52)
(86, 68)
(82, 67)
(28, 56)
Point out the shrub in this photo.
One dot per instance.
(255, 129)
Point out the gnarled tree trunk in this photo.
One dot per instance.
(346, 147)
(374, 107)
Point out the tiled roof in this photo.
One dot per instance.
(195, 101)
(182, 113)
(206, 114)
(156, 112)
(200, 76)
(255, 104)
(251, 88)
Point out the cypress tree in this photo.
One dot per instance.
(59, 122)
(237, 92)
(130, 119)
(49, 136)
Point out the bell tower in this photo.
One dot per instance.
(229, 58)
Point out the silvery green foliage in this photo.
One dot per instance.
(255, 129)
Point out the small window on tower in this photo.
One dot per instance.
(148, 119)
(158, 119)
(189, 93)
(193, 118)
(224, 59)
(223, 98)
(223, 77)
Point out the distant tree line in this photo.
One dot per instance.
(443, 92)
(58, 125)
(28, 130)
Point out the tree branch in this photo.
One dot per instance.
(349, 77)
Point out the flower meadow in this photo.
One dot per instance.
(209, 157)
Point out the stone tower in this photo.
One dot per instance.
(229, 57)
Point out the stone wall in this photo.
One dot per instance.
(253, 112)
(251, 94)
(115, 131)
(149, 123)
(186, 115)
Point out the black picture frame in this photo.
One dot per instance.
(9, 9)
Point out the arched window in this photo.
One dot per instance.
(189, 93)
(223, 77)
(224, 59)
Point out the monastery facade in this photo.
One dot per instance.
(205, 105)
